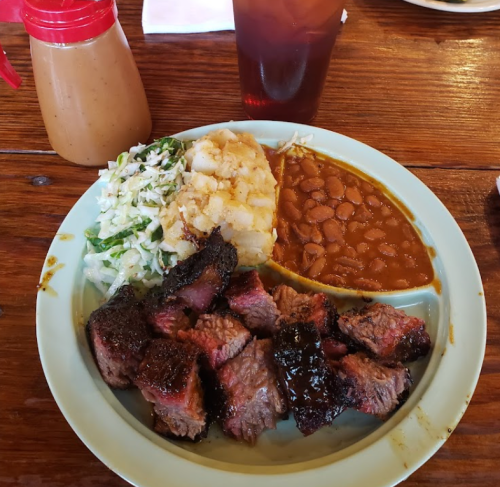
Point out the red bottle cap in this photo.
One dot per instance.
(67, 21)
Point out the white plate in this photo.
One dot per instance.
(471, 6)
(358, 450)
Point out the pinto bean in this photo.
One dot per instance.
(307, 260)
(302, 231)
(289, 194)
(363, 214)
(374, 234)
(343, 270)
(385, 211)
(333, 231)
(335, 187)
(316, 235)
(407, 232)
(373, 201)
(350, 252)
(311, 184)
(283, 231)
(362, 247)
(319, 214)
(298, 180)
(317, 267)
(318, 196)
(333, 280)
(352, 180)
(331, 170)
(377, 265)
(368, 284)
(309, 203)
(409, 263)
(333, 248)
(387, 249)
(314, 249)
(405, 245)
(353, 195)
(332, 203)
(401, 284)
(344, 211)
(367, 187)
(292, 211)
(310, 167)
(354, 226)
(349, 262)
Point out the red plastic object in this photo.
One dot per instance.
(7, 72)
(58, 21)
(68, 21)
(10, 10)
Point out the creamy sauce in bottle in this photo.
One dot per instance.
(91, 96)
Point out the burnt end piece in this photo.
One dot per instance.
(387, 333)
(204, 275)
(119, 335)
(220, 337)
(309, 383)
(371, 387)
(168, 377)
(247, 297)
(250, 393)
(166, 314)
(296, 307)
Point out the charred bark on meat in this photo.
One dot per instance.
(203, 276)
(118, 336)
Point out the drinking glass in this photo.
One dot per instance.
(284, 50)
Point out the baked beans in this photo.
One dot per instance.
(343, 229)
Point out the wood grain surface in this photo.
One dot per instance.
(420, 85)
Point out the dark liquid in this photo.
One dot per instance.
(282, 78)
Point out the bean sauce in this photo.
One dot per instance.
(343, 229)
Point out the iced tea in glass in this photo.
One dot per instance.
(284, 49)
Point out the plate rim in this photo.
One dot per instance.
(483, 6)
(101, 446)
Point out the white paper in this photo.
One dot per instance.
(188, 16)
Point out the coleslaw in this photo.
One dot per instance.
(124, 246)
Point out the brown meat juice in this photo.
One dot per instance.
(284, 50)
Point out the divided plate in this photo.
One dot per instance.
(357, 450)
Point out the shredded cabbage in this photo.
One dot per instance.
(125, 244)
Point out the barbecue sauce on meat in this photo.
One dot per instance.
(308, 381)
(247, 387)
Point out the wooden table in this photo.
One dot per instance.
(420, 85)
